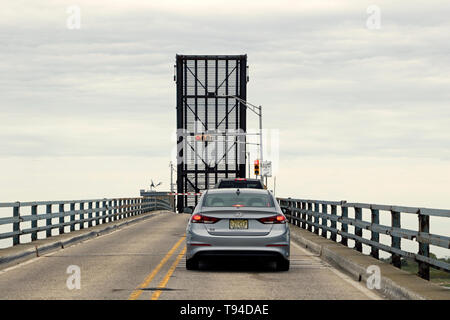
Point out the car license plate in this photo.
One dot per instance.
(238, 224)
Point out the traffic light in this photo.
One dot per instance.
(204, 138)
(256, 167)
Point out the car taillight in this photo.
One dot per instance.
(273, 219)
(198, 218)
(240, 179)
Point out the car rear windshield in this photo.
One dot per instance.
(237, 200)
(240, 184)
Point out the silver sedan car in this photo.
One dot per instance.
(238, 222)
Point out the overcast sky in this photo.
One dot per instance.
(362, 114)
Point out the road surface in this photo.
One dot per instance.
(146, 261)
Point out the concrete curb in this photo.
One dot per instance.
(24, 252)
(395, 283)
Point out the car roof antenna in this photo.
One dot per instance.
(238, 192)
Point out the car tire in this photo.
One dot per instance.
(191, 264)
(283, 265)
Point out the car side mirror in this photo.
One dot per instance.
(187, 210)
(284, 210)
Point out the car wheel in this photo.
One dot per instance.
(282, 265)
(191, 264)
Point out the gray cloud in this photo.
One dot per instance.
(347, 89)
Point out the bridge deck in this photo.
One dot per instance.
(114, 265)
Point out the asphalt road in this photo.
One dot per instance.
(146, 261)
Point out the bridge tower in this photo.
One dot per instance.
(207, 149)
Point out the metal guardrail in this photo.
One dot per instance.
(84, 213)
(301, 213)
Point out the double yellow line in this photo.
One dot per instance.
(138, 291)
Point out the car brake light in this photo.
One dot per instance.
(198, 218)
(238, 205)
(273, 219)
(240, 179)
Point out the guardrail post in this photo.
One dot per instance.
(81, 215)
(324, 220)
(115, 209)
(61, 218)
(130, 210)
(97, 213)
(375, 236)
(133, 207)
(298, 206)
(358, 230)
(333, 222)
(302, 215)
(105, 211)
(110, 211)
(34, 222)
(316, 218)
(424, 248)
(292, 212)
(344, 226)
(72, 217)
(16, 224)
(48, 231)
(289, 204)
(309, 216)
(90, 206)
(395, 241)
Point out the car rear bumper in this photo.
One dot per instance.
(200, 243)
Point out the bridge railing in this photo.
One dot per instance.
(323, 218)
(71, 213)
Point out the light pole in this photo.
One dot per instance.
(171, 176)
(248, 159)
(258, 111)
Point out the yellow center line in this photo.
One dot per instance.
(138, 291)
(169, 273)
